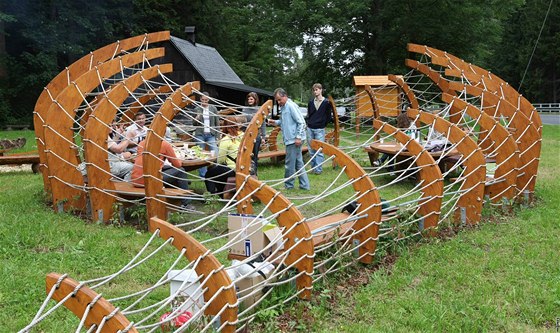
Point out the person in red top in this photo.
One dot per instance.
(172, 173)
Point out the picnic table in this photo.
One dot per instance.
(396, 148)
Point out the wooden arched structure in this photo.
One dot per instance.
(470, 202)
(334, 136)
(445, 59)
(156, 207)
(429, 174)
(101, 188)
(244, 156)
(71, 73)
(368, 199)
(507, 154)
(62, 156)
(524, 131)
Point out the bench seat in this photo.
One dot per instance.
(19, 159)
(127, 190)
(278, 153)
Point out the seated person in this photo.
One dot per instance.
(172, 173)
(118, 156)
(136, 132)
(216, 177)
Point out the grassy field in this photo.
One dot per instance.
(503, 275)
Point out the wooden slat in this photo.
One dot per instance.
(126, 189)
(152, 164)
(429, 174)
(81, 299)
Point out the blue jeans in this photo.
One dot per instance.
(319, 135)
(294, 161)
(203, 140)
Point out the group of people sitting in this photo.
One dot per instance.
(126, 147)
(223, 138)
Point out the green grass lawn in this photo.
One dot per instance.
(503, 275)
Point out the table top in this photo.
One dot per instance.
(396, 148)
(197, 163)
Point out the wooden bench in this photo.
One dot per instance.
(127, 190)
(24, 158)
(278, 155)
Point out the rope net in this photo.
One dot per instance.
(218, 264)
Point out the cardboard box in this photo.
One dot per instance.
(190, 297)
(251, 235)
(253, 286)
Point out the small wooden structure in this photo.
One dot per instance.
(387, 95)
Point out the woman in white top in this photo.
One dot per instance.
(206, 127)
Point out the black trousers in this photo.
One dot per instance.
(216, 178)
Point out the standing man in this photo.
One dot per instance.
(319, 114)
(293, 133)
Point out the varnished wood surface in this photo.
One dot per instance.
(81, 299)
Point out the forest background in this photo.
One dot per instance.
(293, 44)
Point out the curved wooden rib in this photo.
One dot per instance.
(445, 59)
(406, 89)
(526, 134)
(334, 136)
(95, 140)
(507, 154)
(470, 202)
(152, 165)
(245, 154)
(301, 256)
(72, 72)
(373, 99)
(129, 114)
(440, 81)
(368, 200)
(430, 175)
(62, 157)
(79, 302)
(218, 282)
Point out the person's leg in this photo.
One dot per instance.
(121, 169)
(303, 179)
(319, 135)
(311, 136)
(173, 177)
(256, 149)
(201, 142)
(212, 144)
(290, 165)
(210, 179)
(222, 178)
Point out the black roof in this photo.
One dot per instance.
(208, 62)
(241, 87)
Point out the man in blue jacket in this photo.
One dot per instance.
(319, 112)
(293, 132)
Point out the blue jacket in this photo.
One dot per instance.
(292, 123)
